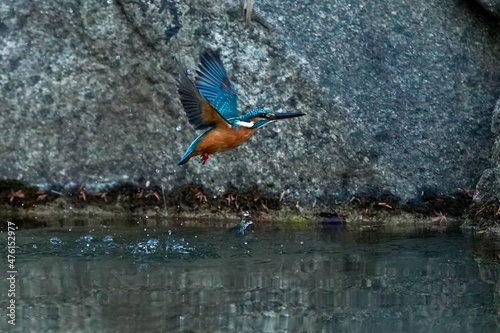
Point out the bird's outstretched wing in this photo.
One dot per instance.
(214, 85)
(201, 114)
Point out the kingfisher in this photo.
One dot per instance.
(211, 106)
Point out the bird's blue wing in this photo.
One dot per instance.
(191, 100)
(214, 85)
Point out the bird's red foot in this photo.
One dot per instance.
(204, 158)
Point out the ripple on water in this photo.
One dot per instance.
(169, 246)
(162, 245)
(86, 238)
(107, 239)
(55, 241)
(148, 247)
(178, 246)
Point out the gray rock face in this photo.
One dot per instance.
(488, 186)
(492, 6)
(397, 95)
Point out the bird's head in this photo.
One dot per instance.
(259, 117)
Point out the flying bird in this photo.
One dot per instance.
(211, 106)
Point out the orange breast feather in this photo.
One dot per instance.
(222, 138)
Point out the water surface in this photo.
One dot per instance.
(155, 276)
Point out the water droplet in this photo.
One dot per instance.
(87, 238)
(34, 246)
(153, 242)
(55, 241)
(109, 2)
(169, 232)
(107, 239)
(118, 57)
(178, 128)
(71, 10)
(157, 170)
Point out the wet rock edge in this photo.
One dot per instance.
(371, 205)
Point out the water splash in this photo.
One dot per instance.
(178, 246)
(165, 245)
(245, 222)
(86, 239)
(55, 241)
(149, 247)
(107, 239)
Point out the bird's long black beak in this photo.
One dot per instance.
(286, 115)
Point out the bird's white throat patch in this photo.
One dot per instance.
(247, 124)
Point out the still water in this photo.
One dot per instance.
(138, 276)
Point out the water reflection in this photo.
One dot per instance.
(136, 279)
